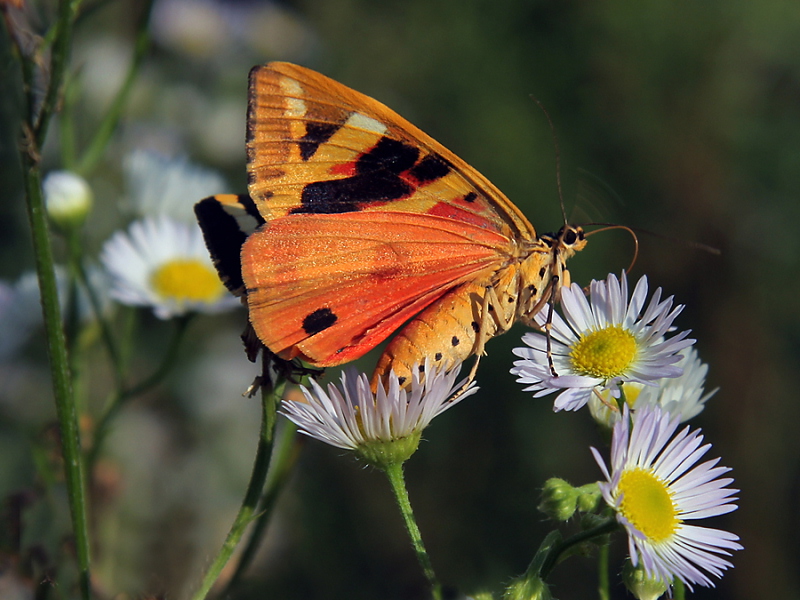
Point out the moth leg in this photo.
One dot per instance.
(492, 322)
(549, 298)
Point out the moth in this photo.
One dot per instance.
(358, 224)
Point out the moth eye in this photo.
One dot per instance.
(570, 237)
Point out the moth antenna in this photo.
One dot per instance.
(558, 157)
(684, 241)
(609, 227)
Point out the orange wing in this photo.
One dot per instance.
(317, 146)
(330, 287)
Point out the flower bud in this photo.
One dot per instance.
(640, 585)
(528, 589)
(589, 497)
(68, 198)
(559, 499)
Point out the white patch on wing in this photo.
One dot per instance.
(295, 106)
(360, 121)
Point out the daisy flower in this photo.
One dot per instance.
(601, 343)
(655, 487)
(681, 396)
(384, 428)
(164, 264)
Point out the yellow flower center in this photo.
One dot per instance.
(187, 280)
(605, 353)
(647, 504)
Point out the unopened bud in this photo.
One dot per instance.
(528, 589)
(68, 198)
(640, 585)
(559, 499)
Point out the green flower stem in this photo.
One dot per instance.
(284, 458)
(34, 132)
(97, 146)
(76, 258)
(603, 583)
(59, 366)
(530, 583)
(555, 553)
(66, 124)
(58, 65)
(678, 590)
(123, 395)
(270, 397)
(397, 480)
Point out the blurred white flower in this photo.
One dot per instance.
(164, 264)
(21, 310)
(681, 396)
(193, 27)
(212, 29)
(160, 185)
(20, 313)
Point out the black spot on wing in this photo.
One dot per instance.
(390, 170)
(471, 197)
(455, 341)
(316, 135)
(430, 168)
(437, 356)
(224, 238)
(319, 320)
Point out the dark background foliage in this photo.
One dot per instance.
(675, 117)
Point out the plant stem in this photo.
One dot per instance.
(58, 65)
(59, 366)
(270, 396)
(123, 395)
(603, 583)
(559, 549)
(283, 459)
(33, 134)
(397, 481)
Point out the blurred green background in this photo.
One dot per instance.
(680, 118)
